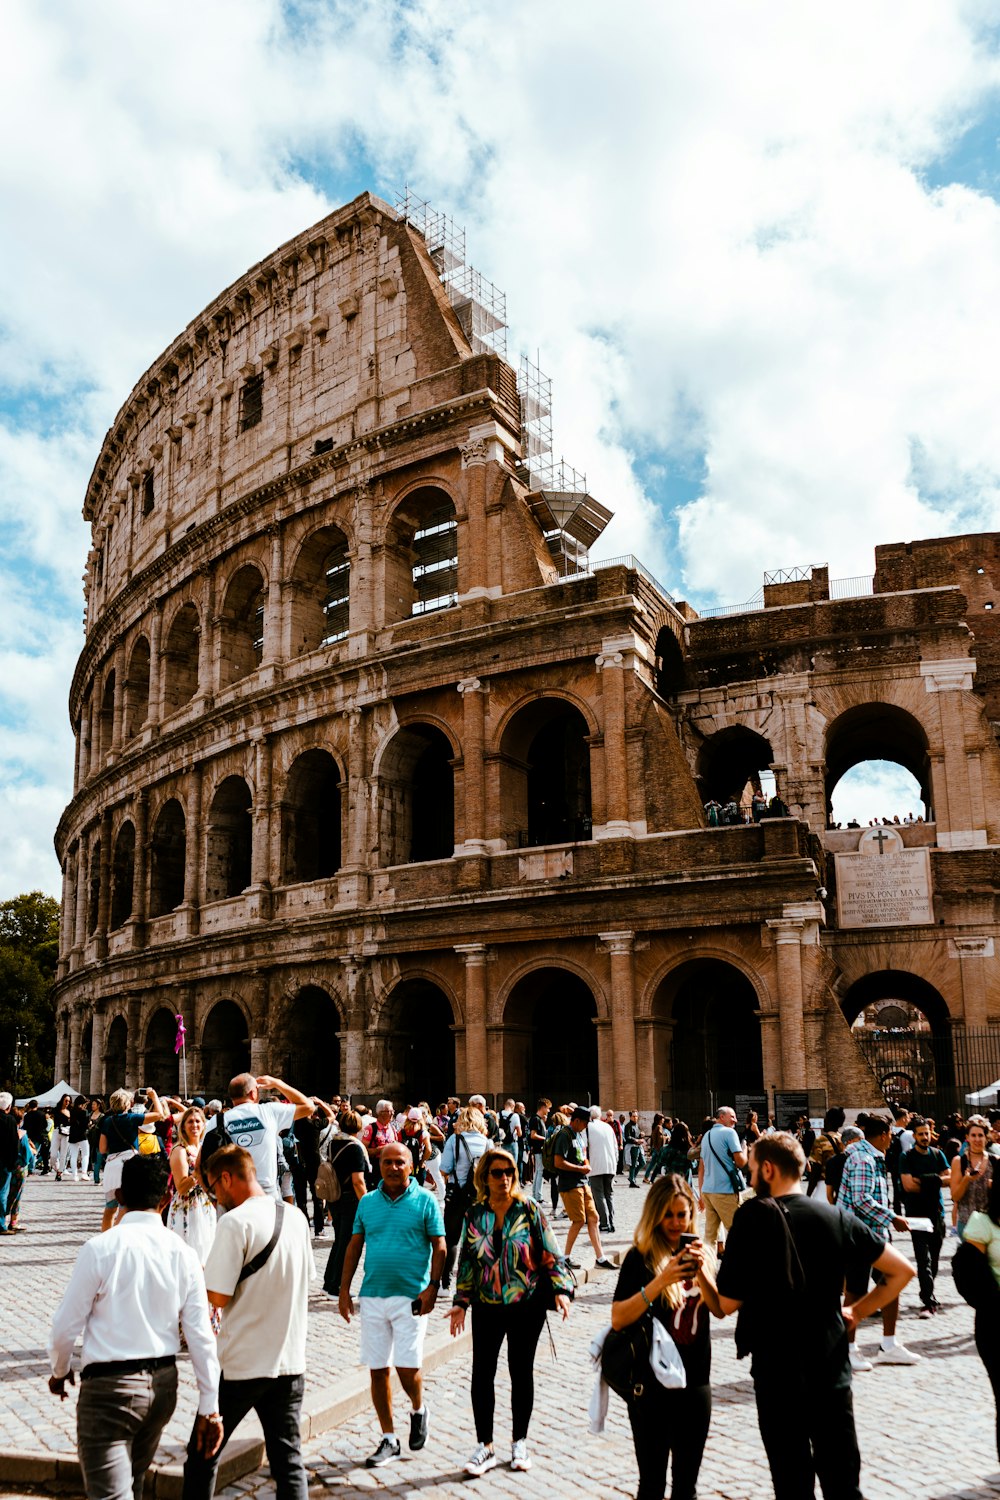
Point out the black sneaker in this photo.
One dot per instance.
(418, 1429)
(386, 1452)
(574, 1265)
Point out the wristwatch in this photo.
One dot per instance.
(435, 1284)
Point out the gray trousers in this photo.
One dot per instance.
(119, 1419)
(602, 1185)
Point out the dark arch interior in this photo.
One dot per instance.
(94, 889)
(122, 875)
(550, 1042)
(115, 1053)
(243, 625)
(320, 600)
(545, 775)
(107, 720)
(86, 1056)
(180, 660)
(877, 731)
(166, 860)
(160, 1065)
(137, 689)
(313, 1046)
(729, 759)
(671, 674)
(230, 840)
(897, 984)
(417, 801)
(310, 819)
(714, 1052)
(420, 1044)
(225, 1048)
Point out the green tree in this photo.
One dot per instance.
(29, 948)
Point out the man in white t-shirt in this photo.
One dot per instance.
(602, 1152)
(261, 1283)
(256, 1126)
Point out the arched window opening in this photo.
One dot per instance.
(167, 852)
(543, 1058)
(180, 660)
(709, 1008)
(115, 1054)
(320, 592)
(416, 797)
(137, 689)
(148, 492)
(921, 1066)
(545, 775)
(734, 766)
(94, 887)
(225, 1048)
(671, 674)
(161, 1064)
(419, 1043)
(422, 556)
(230, 841)
(122, 876)
(243, 626)
(107, 717)
(310, 819)
(313, 1046)
(886, 749)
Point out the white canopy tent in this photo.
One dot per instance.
(51, 1097)
(985, 1098)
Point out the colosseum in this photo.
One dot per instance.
(384, 784)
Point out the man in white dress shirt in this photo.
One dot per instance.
(130, 1289)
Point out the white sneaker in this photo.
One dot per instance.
(519, 1455)
(482, 1460)
(897, 1355)
(858, 1362)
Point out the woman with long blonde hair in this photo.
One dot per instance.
(675, 1283)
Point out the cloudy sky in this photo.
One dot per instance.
(756, 247)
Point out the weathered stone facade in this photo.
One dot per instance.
(373, 797)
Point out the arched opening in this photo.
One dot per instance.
(161, 1066)
(229, 842)
(545, 775)
(86, 1058)
(867, 737)
(242, 625)
(310, 819)
(312, 1057)
(550, 1039)
(179, 664)
(416, 797)
(94, 887)
(706, 1038)
(671, 674)
(422, 555)
(167, 852)
(916, 1066)
(419, 1043)
(107, 718)
(731, 760)
(225, 1048)
(137, 689)
(115, 1054)
(122, 875)
(321, 591)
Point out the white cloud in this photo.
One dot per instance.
(711, 220)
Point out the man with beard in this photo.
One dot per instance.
(786, 1259)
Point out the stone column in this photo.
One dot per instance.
(260, 1042)
(273, 605)
(82, 853)
(958, 808)
(358, 789)
(473, 560)
(473, 741)
(974, 954)
(75, 1034)
(154, 711)
(352, 1040)
(140, 814)
(118, 715)
(206, 642)
(104, 888)
(623, 1079)
(611, 665)
(132, 1058)
(188, 916)
(260, 861)
(96, 1083)
(62, 1044)
(477, 1069)
(788, 952)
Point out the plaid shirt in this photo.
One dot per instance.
(864, 1188)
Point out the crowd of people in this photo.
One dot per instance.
(215, 1209)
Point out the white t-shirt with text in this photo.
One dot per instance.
(256, 1128)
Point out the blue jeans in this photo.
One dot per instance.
(277, 1400)
(6, 1178)
(119, 1419)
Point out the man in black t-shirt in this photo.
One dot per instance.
(786, 1259)
(921, 1173)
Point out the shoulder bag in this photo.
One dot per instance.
(251, 1267)
(733, 1172)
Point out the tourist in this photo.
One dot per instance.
(922, 1173)
(674, 1284)
(401, 1231)
(825, 1146)
(132, 1294)
(36, 1126)
(676, 1155)
(60, 1134)
(22, 1167)
(257, 1125)
(509, 1273)
(572, 1172)
(833, 1171)
(119, 1142)
(972, 1173)
(537, 1129)
(376, 1134)
(864, 1191)
(786, 1260)
(311, 1131)
(78, 1147)
(350, 1164)
(657, 1141)
(462, 1150)
(415, 1138)
(191, 1213)
(720, 1179)
(97, 1109)
(9, 1151)
(511, 1125)
(632, 1137)
(257, 1274)
(602, 1150)
(983, 1231)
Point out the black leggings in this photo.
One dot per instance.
(988, 1349)
(521, 1323)
(670, 1422)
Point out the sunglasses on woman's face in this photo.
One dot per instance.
(501, 1171)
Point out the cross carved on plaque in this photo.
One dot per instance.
(881, 840)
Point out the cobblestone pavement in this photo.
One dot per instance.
(926, 1432)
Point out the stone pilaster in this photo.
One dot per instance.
(619, 945)
(477, 1070)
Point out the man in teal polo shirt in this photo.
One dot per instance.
(401, 1229)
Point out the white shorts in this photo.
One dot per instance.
(113, 1165)
(390, 1333)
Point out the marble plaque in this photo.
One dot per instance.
(884, 885)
